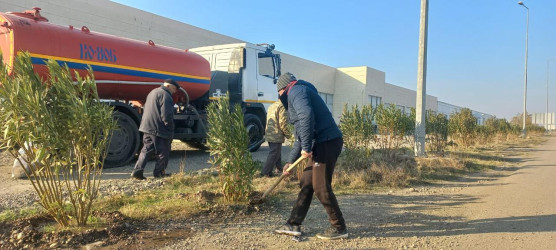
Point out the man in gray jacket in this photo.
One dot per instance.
(157, 125)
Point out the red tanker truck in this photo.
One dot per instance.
(127, 70)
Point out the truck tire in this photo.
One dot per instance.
(124, 143)
(255, 130)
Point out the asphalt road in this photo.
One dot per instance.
(194, 160)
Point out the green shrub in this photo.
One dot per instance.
(359, 165)
(437, 131)
(228, 142)
(462, 127)
(359, 135)
(357, 127)
(517, 120)
(64, 131)
(393, 128)
(535, 129)
(501, 128)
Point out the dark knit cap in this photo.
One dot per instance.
(171, 81)
(284, 80)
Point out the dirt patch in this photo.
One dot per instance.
(35, 232)
(256, 198)
(204, 196)
(114, 230)
(6, 159)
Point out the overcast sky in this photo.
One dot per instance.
(476, 48)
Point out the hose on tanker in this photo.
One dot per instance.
(193, 109)
(186, 97)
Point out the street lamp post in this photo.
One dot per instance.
(547, 77)
(524, 132)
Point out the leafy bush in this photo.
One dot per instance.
(393, 128)
(517, 125)
(437, 131)
(228, 142)
(517, 120)
(500, 127)
(484, 135)
(462, 127)
(535, 129)
(359, 165)
(64, 131)
(357, 126)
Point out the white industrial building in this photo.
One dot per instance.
(338, 86)
(546, 120)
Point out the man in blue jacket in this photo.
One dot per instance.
(319, 139)
(157, 125)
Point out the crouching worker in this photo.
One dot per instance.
(319, 139)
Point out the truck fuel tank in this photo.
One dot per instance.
(125, 69)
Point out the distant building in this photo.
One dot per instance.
(545, 120)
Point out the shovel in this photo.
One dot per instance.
(267, 192)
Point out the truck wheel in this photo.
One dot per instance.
(255, 130)
(124, 142)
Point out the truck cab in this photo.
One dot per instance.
(248, 73)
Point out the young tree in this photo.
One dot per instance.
(228, 142)
(64, 131)
(393, 128)
(437, 131)
(358, 129)
(357, 126)
(462, 127)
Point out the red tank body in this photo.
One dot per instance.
(125, 69)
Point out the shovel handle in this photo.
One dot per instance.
(293, 165)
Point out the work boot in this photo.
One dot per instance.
(138, 175)
(289, 229)
(333, 234)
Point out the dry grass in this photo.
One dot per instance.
(180, 197)
(358, 170)
(376, 175)
(364, 169)
(431, 168)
